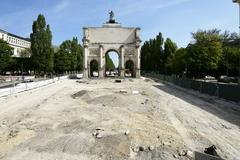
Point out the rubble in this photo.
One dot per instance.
(127, 132)
(190, 154)
(142, 148)
(182, 153)
(211, 150)
(118, 81)
(79, 94)
(175, 156)
(99, 136)
(135, 92)
(100, 129)
(151, 148)
(123, 91)
(135, 149)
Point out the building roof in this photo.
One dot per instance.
(2, 31)
(13, 35)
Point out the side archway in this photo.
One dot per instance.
(94, 70)
(129, 68)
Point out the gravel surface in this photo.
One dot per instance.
(138, 119)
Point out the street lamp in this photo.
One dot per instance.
(238, 2)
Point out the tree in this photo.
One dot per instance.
(231, 58)
(129, 67)
(178, 61)
(77, 55)
(205, 54)
(231, 53)
(170, 49)
(23, 62)
(109, 63)
(49, 51)
(93, 67)
(41, 46)
(69, 56)
(152, 54)
(5, 55)
(63, 57)
(25, 53)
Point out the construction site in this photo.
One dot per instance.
(136, 119)
(160, 80)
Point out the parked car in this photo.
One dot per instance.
(227, 79)
(27, 81)
(209, 78)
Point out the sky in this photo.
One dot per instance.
(176, 19)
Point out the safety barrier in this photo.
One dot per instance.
(28, 86)
(229, 92)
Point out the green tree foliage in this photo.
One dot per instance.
(231, 53)
(205, 53)
(152, 54)
(231, 58)
(129, 67)
(41, 46)
(210, 53)
(178, 61)
(77, 55)
(5, 55)
(26, 53)
(109, 63)
(68, 57)
(170, 49)
(93, 67)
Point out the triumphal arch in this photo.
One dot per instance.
(98, 41)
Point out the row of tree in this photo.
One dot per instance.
(42, 57)
(211, 53)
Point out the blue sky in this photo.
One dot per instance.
(174, 18)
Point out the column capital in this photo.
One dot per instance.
(122, 46)
(101, 46)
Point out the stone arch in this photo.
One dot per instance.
(99, 41)
(129, 68)
(116, 72)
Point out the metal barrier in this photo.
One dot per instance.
(28, 86)
(229, 92)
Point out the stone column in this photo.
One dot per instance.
(138, 54)
(85, 52)
(122, 67)
(85, 61)
(138, 66)
(101, 70)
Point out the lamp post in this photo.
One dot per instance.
(238, 2)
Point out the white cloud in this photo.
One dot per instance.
(151, 5)
(61, 6)
(171, 3)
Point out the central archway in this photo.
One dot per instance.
(112, 64)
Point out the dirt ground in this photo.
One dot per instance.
(138, 119)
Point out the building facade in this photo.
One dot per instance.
(16, 42)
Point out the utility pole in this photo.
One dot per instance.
(238, 2)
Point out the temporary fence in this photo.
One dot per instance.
(28, 86)
(229, 92)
